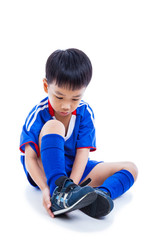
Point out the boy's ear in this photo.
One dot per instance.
(45, 85)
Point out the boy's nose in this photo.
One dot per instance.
(66, 108)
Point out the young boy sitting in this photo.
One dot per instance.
(57, 137)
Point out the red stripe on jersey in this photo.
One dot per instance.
(74, 112)
(36, 147)
(91, 148)
(51, 111)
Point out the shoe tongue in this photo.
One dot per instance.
(68, 182)
(63, 181)
(60, 181)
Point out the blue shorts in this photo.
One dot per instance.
(90, 165)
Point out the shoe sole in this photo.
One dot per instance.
(83, 202)
(99, 208)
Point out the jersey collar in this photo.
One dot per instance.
(51, 110)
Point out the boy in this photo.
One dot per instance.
(56, 140)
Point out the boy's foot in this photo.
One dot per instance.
(68, 196)
(102, 206)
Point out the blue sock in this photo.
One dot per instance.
(118, 183)
(53, 159)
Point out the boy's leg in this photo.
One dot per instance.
(103, 171)
(118, 183)
(66, 196)
(111, 179)
(52, 151)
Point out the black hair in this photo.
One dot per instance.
(70, 68)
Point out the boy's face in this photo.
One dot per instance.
(64, 101)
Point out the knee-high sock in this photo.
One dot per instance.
(53, 159)
(118, 183)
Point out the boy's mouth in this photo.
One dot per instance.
(63, 113)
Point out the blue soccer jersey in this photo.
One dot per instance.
(80, 134)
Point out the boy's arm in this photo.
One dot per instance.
(79, 164)
(38, 175)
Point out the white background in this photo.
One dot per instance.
(122, 39)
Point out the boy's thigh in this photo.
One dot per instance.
(102, 171)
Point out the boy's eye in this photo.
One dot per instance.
(59, 97)
(75, 99)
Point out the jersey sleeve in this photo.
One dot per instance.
(86, 135)
(30, 133)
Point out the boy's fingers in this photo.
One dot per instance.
(47, 202)
(50, 213)
(49, 210)
(47, 206)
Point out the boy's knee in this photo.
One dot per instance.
(130, 166)
(53, 127)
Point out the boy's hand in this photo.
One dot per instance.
(46, 201)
